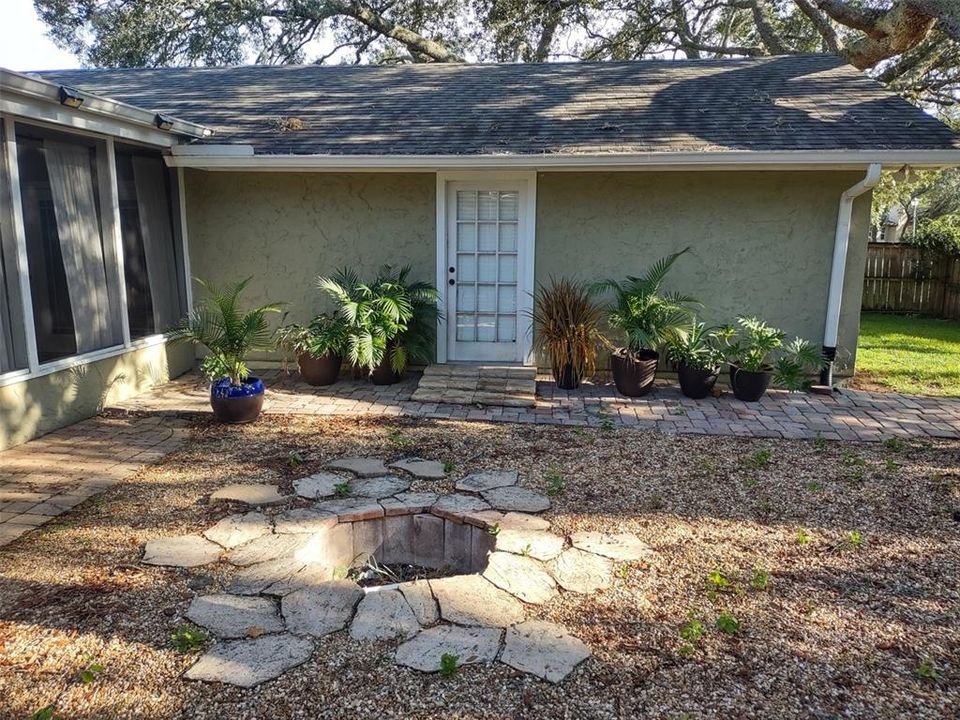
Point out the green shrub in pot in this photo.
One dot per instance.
(698, 354)
(319, 347)
(648, 317)
(757, 354)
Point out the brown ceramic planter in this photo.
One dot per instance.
(566, 377)
(747, 385)
(239, 404)
(634, 373)
(383, 374)
(323, 370)
(696, 383)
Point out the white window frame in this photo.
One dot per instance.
(110, 212)
(525, 256)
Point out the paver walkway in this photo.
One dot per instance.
(850, 415)
(49, 476)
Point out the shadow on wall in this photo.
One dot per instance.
(41, 405)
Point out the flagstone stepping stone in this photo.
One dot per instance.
(484, 518)
(378, 487)
(384, 615)
(624, 546)
(581, 572)
(420, 468)
(308, 576)
(361, 467)
(236, 530)
(234, 616)
(265, 548)
(184, 551)
(319, 485)
(470, 645)
(473, 600)
(543, 649)
(246, 663)
(303, 521)
(408, 503)
(322, 609)
(352, 509)
(516, 499)
(520, 576)
(487, 480)
(249, 493)
(421, 601)
(523, 521)
(455, 506)
(256, 579)
(538, 544)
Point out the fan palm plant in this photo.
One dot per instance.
(228, 332)
(567, 322)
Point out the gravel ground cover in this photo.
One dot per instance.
(789, 579)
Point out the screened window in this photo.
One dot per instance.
(73, 279)
(13, 345)
(150, 248)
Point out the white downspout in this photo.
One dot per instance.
(840, 244)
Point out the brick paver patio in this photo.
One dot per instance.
(48, 476)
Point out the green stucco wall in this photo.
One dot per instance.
(285, 229)
(35, 407)
(761, 242)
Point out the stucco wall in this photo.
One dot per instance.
(285, 229)
(35, 407)
(762, 242)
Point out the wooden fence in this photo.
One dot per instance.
(903, 278)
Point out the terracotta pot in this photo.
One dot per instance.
(323, 370)
(747, 385)
(634, 373)
(696, 382)
(566, 377)
(383, 374)
(235, 404)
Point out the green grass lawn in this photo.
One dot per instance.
(908, 354)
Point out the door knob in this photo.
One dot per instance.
(452, 281)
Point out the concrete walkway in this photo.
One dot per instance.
(851, 415)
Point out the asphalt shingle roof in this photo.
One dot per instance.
(807, 102)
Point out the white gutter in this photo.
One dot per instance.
(841, 242)
(242, 157)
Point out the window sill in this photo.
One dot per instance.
(19, 376)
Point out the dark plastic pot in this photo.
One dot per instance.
(566, 377)
(634, 373)
(696, 382)
(323, 370)
(236, 404)
(383, 374)
(747, 385)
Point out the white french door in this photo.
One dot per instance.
(489, 269)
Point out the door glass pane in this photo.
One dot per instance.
(488, 237)
(506, 328)
(466, 268)
(487, 202)
(508, 237)
(486, 328)
(508, 268)
(13, 341)
(487, 270)
(466, 236)
(466, 328)
(467, 298)
(509, 205)
(466, 205)
(507, 299)
(487, 298)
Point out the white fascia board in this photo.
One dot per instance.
(242, 158)
(32, 97)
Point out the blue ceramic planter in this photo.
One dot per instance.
(237, 403)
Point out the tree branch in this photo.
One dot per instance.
(822, 24)
(764, 23)
(416, 43)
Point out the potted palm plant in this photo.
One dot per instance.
(648, 318)
(567, 322)
(699, 356)
(318, 346)
(229, 334)
(757, 354)
(390, 322)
